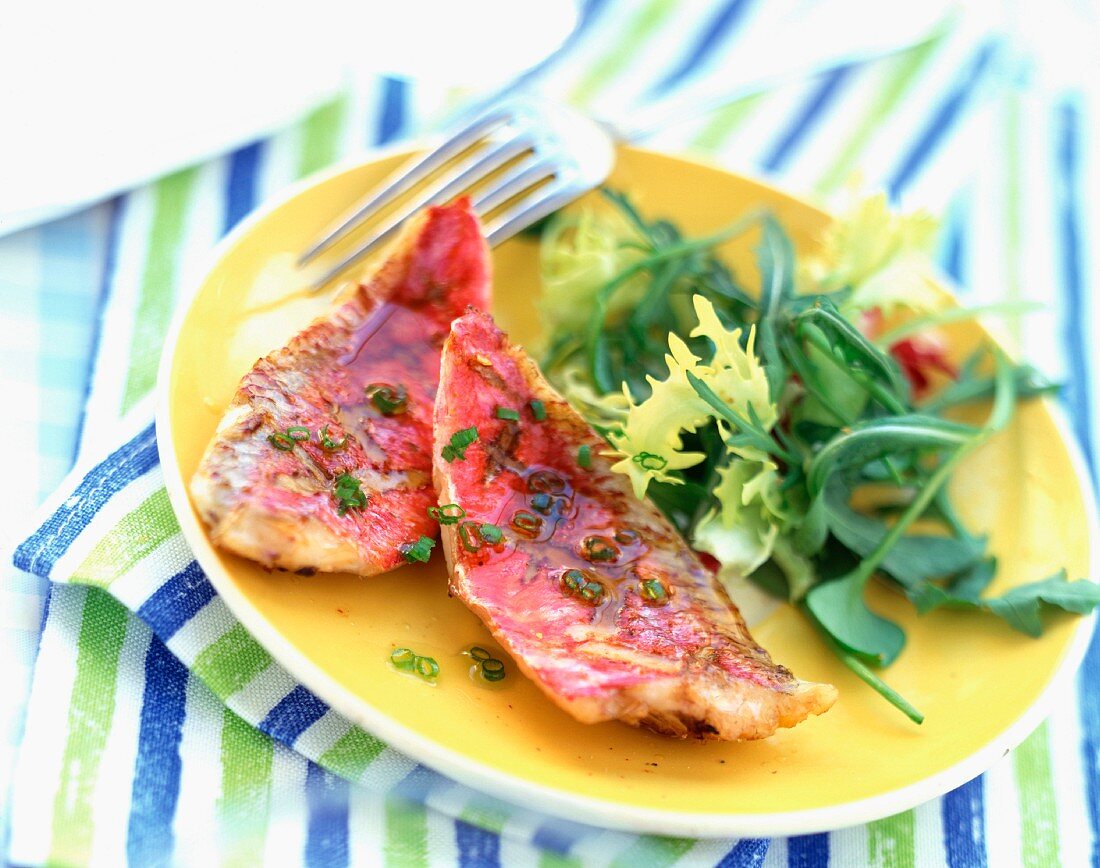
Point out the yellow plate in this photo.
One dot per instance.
(982, 686)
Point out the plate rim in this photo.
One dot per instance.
(514, 789)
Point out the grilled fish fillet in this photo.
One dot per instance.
(592, 592)
(278, 502)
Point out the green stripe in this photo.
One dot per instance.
(549, 859)
(891, 843)
(627, 49)
(350, 756)
(1038, 808)
(653, 851)
(244, 804)
(406, 833)
(321, 136)
(91, 710)
(724, 122)
(901, 78)
(137, 534)
(171, 198)
(485, 817)
(231, 662)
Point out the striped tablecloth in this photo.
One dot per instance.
(171, 737)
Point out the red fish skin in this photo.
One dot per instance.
(278, 507)
(686, 668)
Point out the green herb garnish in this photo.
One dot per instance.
(348, 492)
(281, 441)
(584, 456)
(490, 533)
(297, 432)
(327, 443)
(653, 591)
(526, 522)
(403, 658)
(507, 414)
(419, 551)
(448, 513)
(538, 410)
(492, 669)
(408, 660)
(388, 400)
(459, 441)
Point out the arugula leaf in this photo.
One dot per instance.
(839, 608)
(775, 260)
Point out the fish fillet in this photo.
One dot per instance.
(591, 591)
(278, 501)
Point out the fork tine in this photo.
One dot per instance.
(408, 175)
(462, 177)
(536, 205)
(522, 177)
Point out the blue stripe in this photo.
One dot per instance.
(713, 33)
(477, 847)
(177, 601)
(1075, 325)
(941, 120)
(240, 186)
(808, 851)
(746, 853)
(808, 114)
(69, 297)
(392, 117)
(295, 713)
(155, 793)
(953, 251)
(1088, 698)
(964, 825)
(107, 279)
(327, 826)
(40, 552)
(559, 836)
(1078, 399)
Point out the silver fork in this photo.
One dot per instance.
(544, 155)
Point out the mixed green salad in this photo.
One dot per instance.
(798, 431)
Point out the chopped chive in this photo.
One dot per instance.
(479, 654)
(599, 548)
(468, 535)
(388, 400)
(542, 502)
(538, 410)
(297, 432)
(419, 551)
(281, 442)
(584, 456)
(459, 441)
(448, 513)
(507, 413)
(492, 669)
(654, 592)
(403, 658)
(349, 494)
(327, 443)
(426, 667)
(574, 580)
(527, 522)
(490, 533)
